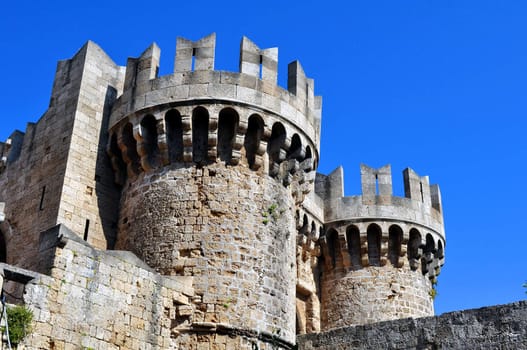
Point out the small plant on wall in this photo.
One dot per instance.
(19, 320)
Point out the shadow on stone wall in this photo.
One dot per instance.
(107, 191)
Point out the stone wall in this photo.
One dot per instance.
(229, 227)
(58, 171)
(496, 327)
(374, 294)
(90, 199)
(381, 254)
(31, 183)
(101, 300)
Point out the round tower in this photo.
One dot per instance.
(381, 253)
(213, 167)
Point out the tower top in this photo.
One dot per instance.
(194, 78)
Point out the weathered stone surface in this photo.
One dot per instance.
(496, 327)
(101, 300)
(206, 181)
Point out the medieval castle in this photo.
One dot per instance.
(185, 212)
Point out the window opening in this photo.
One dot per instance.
(260, 68)
(307, 95)
(86, 229)
(193, 64)
(43, 194)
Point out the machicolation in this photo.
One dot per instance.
(185, 212)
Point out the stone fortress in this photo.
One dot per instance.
(185, 212)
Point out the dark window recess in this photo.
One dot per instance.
(86, 229)
(41, 205)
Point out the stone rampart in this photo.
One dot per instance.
(102, 300)
(496, 327)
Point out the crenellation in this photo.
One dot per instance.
(435, 196)
(195, 55)
(416, 187)
(376, 182)
(205, 182)
(260, 63)
(142, 69)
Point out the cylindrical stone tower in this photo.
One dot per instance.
(213, 167)
(381, 253)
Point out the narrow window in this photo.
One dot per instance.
(43, 194)
(421, 190)
(86, 229)
(149, 131)
(227, 125)
(200, 134)
(394, 244)
(253, 138)
(260, 68)
(376, 184)
(193, 64)
(374, 245)
(174, 135)
(353, 238)
(307, 95)
(334, 246)
(274, 146)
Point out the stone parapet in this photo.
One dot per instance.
(495, 327)
(195, 79)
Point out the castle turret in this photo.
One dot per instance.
(381, 253)
(214, 166)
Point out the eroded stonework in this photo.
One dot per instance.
(185, 211)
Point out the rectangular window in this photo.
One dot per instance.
(193, 63)
(41, 205)
(86, 229)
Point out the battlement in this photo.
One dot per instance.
(194, 78)
(382, 253)
(199, 116)
(216, 172)
(421, 204)
(416, 218)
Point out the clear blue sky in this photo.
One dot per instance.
(439, 86)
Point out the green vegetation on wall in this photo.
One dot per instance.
(19, 322)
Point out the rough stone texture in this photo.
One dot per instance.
(89, 197)
(381, 253)
(101, 300)
(209, 223)
(374, 294)
(206, 181)
(59, 172)
(496, 327)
